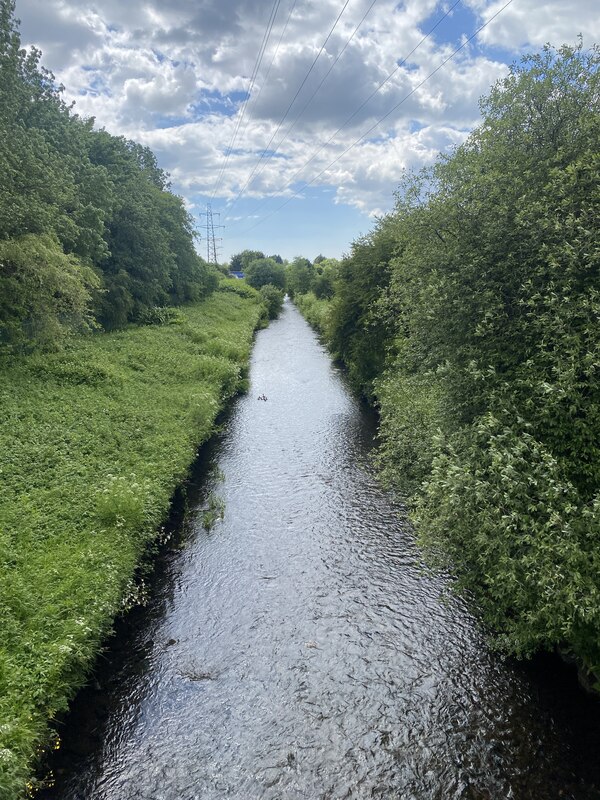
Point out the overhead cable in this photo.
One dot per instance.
(306, 77)
(267, 73)
(262, 160)
(379, 121)
(257, 64)
(362, 105)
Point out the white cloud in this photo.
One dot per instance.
(532, 23)
(164, 73)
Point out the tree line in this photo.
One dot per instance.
(90, 234)
(470, 316)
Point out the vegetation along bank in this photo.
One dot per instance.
(470, 316)
(118, 347)
(93, 442)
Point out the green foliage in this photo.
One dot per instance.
(93, 441)
(299, 276)
(471, 312)
(410, 417)
(498, 510)
(160, 315)
(241, 261)
(262, 271)
(357, 334)
(100, 201)
(238, 287)
(326, 273)
(272, 297)
(44, 293)
(314, 310)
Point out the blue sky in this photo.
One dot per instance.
(176, 76)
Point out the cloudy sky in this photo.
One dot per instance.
(209, 85)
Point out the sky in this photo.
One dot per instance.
(294, 119)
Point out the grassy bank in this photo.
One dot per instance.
(313, 310)
(93, 442)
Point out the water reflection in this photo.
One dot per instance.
(297, 650)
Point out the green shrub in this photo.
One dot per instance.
(238, 287)
(160, 315)
(500, 513)
(316, 312)
(272, 297)
(45, 295)
(410, 419)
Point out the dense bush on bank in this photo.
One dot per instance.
(471, 314)
(93, 441)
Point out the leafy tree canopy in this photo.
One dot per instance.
(262, 271)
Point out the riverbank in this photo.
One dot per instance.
(298, 649)
(547, 567)
(93, 442)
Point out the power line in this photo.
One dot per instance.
(282, 120)
(302, 110)
(385, 116)
(257, 64)
(268, 72)
(362, 105)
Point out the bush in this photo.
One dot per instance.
(160, 315)
(272, 297)
(498, 510)
(237, 286)
(45, 295)
(409, 422)
(316, 312)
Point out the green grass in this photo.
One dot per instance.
(93, 442)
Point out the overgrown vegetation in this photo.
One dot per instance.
(272, 297)
(89, 231)
(471, 316)
(93, 441)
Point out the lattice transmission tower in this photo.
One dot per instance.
(213, 244)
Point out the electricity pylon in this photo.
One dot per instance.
(211, 241)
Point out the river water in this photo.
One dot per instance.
(297, 650)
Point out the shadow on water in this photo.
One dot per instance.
(82, 730)
(298, 650)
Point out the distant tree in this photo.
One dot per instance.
(263, 271)
(239, 262)
(299, 276)
(326, 273)
(277, 259)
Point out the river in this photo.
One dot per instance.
(298, 650)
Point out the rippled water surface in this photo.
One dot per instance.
(296, 650)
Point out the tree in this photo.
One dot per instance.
(240, 261)
(272, 297)
(358, 333)
(299, 276)
(262, 271)
(325, 275)
(44, 293)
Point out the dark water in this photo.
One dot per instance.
(296, 650)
